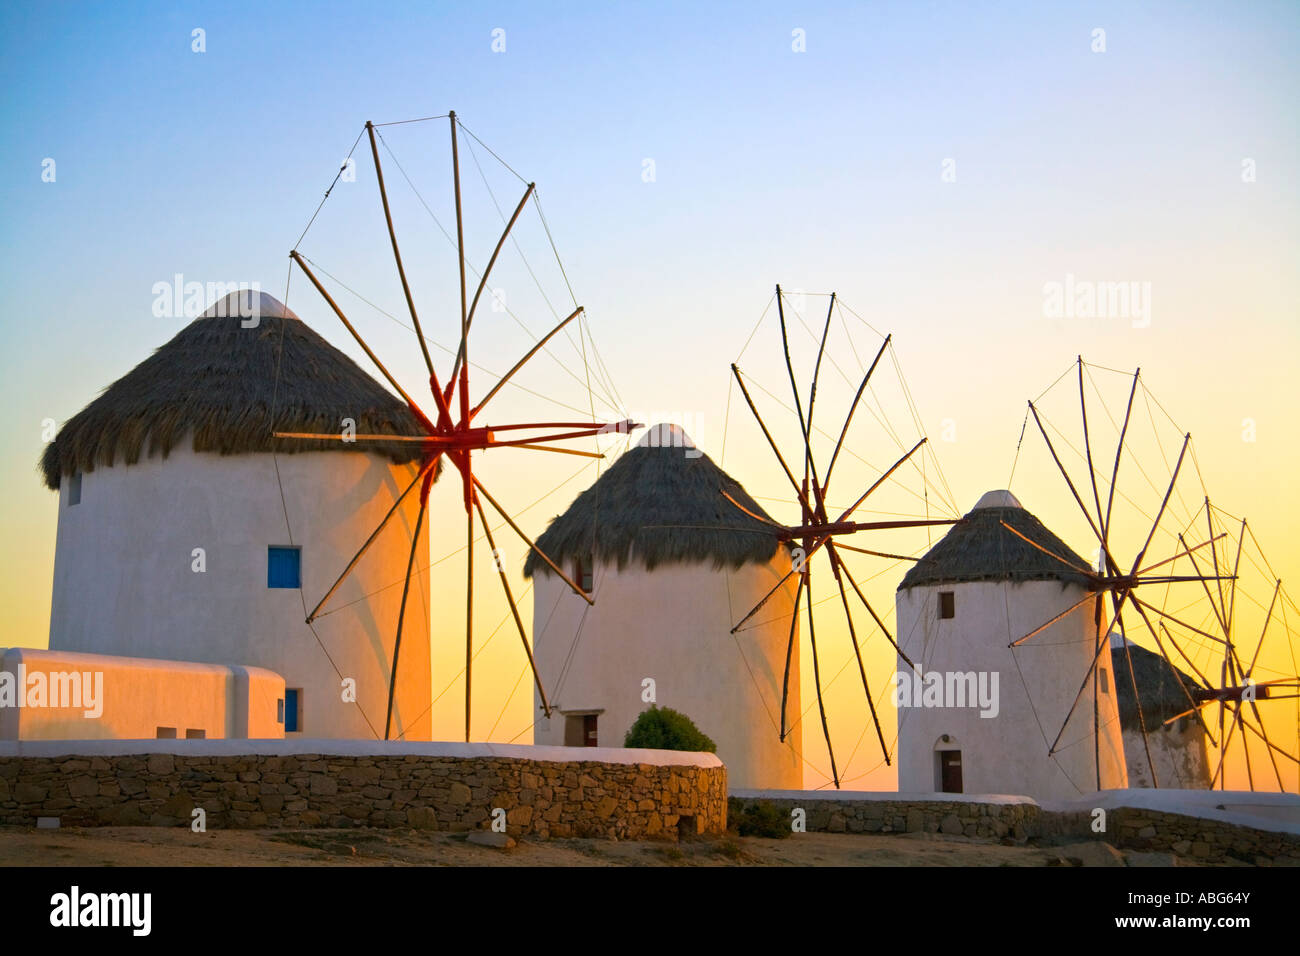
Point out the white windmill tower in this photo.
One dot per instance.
(173, 505)
(667, 558)
(971, 716)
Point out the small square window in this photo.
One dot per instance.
(947, 605)
(293, 710)
(283, 567)
(74, 489)
(196, 735)
(166, 733)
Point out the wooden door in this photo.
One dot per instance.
(950, 771)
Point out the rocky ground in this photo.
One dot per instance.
(156, 846)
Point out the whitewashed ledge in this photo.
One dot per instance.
(884, 796)
(353, 748)
(1277, 812)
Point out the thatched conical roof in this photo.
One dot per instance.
(981, 549)
(661, 503)
(217, 381)
(1157, 686)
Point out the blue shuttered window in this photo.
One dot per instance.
(283, 567)
(291, 710)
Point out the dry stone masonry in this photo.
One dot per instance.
(540, 797)
(1016, 818)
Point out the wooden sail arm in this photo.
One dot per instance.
(482, 283)
(296, 257)
(1051, 554)
(1180, 554)
(518, 365)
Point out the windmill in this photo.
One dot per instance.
(1237, 691)
(820, 526)
(454, 427)
(1117, 586)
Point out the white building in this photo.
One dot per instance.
(672, 566)
(1177, 749)
(181, 537)
(62, 695)
(976, 591)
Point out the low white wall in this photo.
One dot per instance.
(289, 747)
(136, 696)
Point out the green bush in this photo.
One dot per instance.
(762, 819)
(662, 728)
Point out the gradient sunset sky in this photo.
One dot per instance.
(935, 164)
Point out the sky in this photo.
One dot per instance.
(946, 169)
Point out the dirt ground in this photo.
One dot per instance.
(154, 846)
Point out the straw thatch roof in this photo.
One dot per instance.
(659, 505)
(1157, 686)
(981, 549)
(217, 381)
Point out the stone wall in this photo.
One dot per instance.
(544, 792)
(871, 812)
(1197, 838)
(1216, 827)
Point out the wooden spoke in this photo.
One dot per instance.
(469, 613)
(884, 554)
(798, 489)
(444, 415)
(1214, 556)
(789, 653)
(753, 514)
(339, 437)
(844, 568)
(1205, 585)
(1190, 663)
(1101, 538)
(817, 368)
(1137, 699)
(808, 467)
(852, 408)
(1119, 449)
(1166, 614)
(1051, 554)
(779, 584)
(1267, 617)
(1223, 752)
(1272, 746)
(360, 341)
(531, 544)
(463, 351)
(817, 675)
(482, 283)
(1236, 566)
(1042, 627)
(1102, 640)
(559, 451)
(1165, 502)
(1180, 554)
(523, 361)
(1177, 674)
(881, 480)
(401, 619)
(857, 653)
(1087, 446)
(423, 471)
